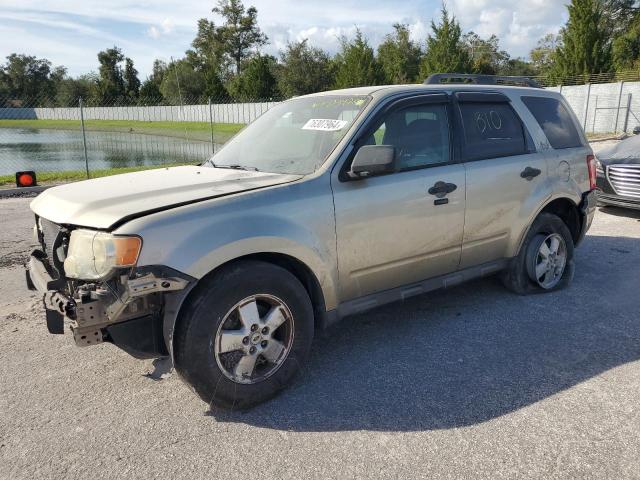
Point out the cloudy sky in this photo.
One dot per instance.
(71, 32)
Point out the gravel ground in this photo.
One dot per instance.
(471, 382)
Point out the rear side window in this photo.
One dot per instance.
(491, 130)
(555, 121)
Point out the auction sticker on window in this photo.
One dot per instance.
(325, 124)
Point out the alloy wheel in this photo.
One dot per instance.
(550, 261)
(254, 339)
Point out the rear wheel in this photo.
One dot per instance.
(545, 262)
(245, 334)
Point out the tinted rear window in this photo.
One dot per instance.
(555, 121)
(491, 130)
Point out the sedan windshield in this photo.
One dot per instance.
(293, 137)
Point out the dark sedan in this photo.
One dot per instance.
(618, 174)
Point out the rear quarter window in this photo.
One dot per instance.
(555, 120)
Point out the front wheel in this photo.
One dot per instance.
(245, 334)
(545, 262)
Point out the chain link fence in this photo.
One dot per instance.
(75, 139)
(594, 78)
(80, 139)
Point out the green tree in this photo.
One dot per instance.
(519, 68)
(399, 56)
(57, 75)
(214, 87)
(543, 57)
(485, 55)
(207, 48)
(240, 34)
(586, 45)
(626, 48)
(446, 53)
(304, 70)
(150, 92)
(150, 89)
(26, 77)
(618, 15)
(257, 80)
(69, 90)
(111, 86)
(182, 83)
(131, 80)
(356, 64)
(207, 55)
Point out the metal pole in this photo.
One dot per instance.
(619, 104)
(626, 117)
(586, 108)
(213, 150)
(84, 138)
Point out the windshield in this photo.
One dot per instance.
(293, 137)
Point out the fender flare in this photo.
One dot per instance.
(174, 301)
(540, 209)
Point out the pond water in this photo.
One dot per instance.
(46, 150)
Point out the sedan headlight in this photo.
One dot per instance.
(599, 168)
(95, 255)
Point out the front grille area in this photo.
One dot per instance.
(625, 179)
(50, 236)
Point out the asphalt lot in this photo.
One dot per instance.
(470, 382)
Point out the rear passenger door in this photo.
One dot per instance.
(504, 176)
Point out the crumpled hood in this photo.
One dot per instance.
(626, 152)
(103, 202)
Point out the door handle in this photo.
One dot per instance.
(441, 189)
(530, 173)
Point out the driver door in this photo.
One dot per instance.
(390, 230)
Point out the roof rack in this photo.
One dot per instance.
(440, 78)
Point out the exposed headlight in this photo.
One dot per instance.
(95, 255)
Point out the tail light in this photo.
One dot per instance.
(591, 165)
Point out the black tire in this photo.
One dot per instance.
(194, 355)
(517, 278)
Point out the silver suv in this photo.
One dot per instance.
(326, 206)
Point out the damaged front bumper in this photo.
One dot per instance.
(129, 310)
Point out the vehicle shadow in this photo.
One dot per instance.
(621, 212)
(467, 355)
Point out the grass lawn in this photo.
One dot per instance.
(189, 130)
(9, 181)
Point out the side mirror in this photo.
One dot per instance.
(372, 160)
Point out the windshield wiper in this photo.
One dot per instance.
(234, 167)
